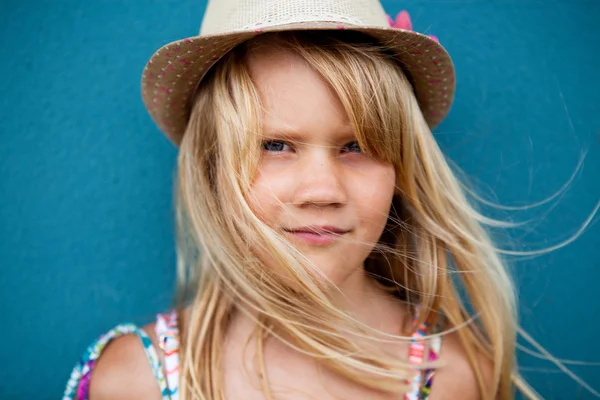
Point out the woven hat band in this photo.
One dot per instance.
(226, 16)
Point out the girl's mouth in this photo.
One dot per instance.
(317, 235)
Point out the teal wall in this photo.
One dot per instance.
(86, 230)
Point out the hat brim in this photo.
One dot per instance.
(174, 71)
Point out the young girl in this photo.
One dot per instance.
(326, 249)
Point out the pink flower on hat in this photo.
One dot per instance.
(403, 21)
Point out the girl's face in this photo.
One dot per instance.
(312, 175)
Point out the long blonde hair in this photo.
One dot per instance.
(435, 249)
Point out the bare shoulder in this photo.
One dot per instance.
(457, 380)
(123, 371)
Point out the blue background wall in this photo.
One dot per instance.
(86, 229)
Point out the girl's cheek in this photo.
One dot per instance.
(269, 186)
(275, 164)
(364, 164)
(355, 160)
(374, 187)
(370, 171)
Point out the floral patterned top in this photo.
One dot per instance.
(167, 378)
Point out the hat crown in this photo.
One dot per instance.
(224, 16)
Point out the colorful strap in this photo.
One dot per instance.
(168, 340)
(420, 384)
(79, 383)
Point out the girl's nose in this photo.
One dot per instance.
(320, 182)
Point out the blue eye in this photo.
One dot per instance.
(354, 147)
(279, 146)
(274, 145)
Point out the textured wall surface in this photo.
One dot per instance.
(86, 227)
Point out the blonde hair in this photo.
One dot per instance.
(434, 237)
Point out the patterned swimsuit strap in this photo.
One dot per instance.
(167, 331)
(78, 385)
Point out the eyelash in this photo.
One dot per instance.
(266, 142)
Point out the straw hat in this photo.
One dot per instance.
(173, 73)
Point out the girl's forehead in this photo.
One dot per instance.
(295, 99)
(275, 68)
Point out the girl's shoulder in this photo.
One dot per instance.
(127, 363)
(457, 378)
(123, 371)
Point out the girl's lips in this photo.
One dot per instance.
(315, 238)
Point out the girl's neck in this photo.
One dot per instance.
(360, 296)
(371, 304)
